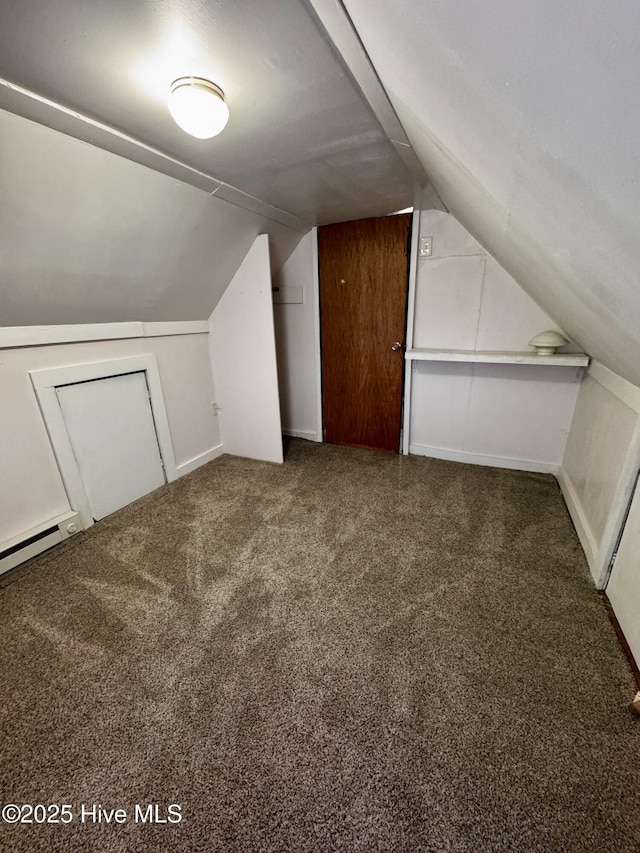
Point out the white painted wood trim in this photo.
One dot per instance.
(498, 357)
(12, 337)
(184, 327)
(579, 519)
(413, 277)
(34, 336)
(618, 510)
(45, 383)
(69, 471)
(315, 296)
(248, 202)
(481, 459)
(623, 390)
(202, 459)
(406, 408)
(307, 434)
(411, 310)
(599, 554)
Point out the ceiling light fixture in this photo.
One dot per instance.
(198, 107)
(546, 343)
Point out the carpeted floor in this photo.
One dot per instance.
(350, 652)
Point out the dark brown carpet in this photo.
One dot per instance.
(350, 652)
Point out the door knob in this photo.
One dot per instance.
(395, 347)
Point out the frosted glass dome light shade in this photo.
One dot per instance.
(546, 343)
(198, 107)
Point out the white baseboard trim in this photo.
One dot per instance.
(482, 459)
(307, 434)
(197, 461)
(580, 522)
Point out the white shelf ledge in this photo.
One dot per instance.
(569, 359)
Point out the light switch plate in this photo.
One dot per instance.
(425, 247)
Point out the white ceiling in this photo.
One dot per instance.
(301, 136)
(526, 117)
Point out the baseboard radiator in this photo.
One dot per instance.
(39, 539)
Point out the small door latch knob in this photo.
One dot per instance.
(397, 346)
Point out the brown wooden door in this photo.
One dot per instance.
(363, 301)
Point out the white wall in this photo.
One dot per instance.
(509, 107)
(243, 358)
(297, 328)
(31, 487)
(623, 588)
(89, 237)
(506, 415)
(600, 463)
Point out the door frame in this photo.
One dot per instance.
(45, 383)
(315, 264)
(405, 437)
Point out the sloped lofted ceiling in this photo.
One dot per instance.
(523, 116)
(526, 118)
(301, 136)
(88, 237)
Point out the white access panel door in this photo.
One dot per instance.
(112, 433)
(623, 589)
